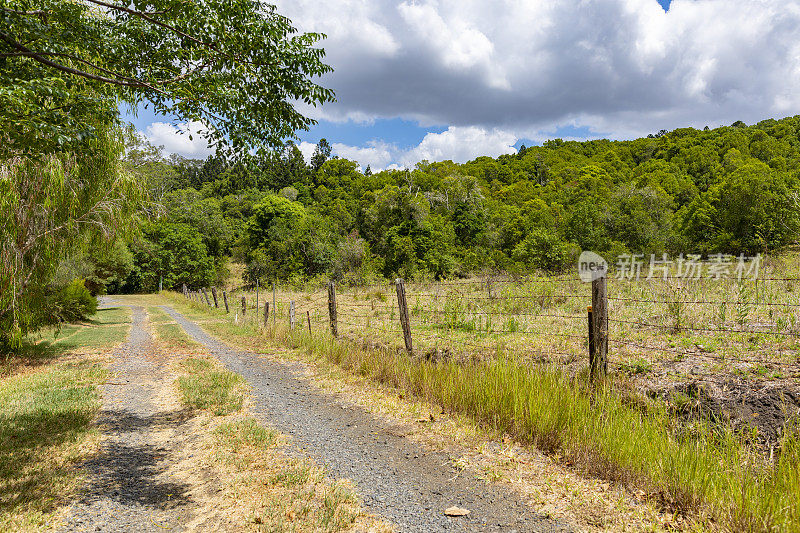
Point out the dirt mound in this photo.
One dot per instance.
(764, 407)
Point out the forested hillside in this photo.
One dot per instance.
(731, 190)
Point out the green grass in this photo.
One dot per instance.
(156, 315)
(112, 316)
(205, 387)
(174, 336)
(45, 428)
(690, 468)
(106, 328)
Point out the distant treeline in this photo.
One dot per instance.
(731, 189)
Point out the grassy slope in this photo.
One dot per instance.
(48, 400)
(693, 469)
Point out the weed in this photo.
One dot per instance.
(676, 308)
(339, 507)
(638, 366)
(743, 306)
(511, 326)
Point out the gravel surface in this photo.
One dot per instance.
(398, 479)
(128, 486)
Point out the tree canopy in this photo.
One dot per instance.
(726, 190)
(238, 67)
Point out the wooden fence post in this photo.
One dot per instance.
(214, 294)
(266, 314)
(403, 308)
(591, 337)
(225, 299)
(244, 306)
(308, 317)
(208, 301)
(332, 308)
(291, 314)
(598, 361)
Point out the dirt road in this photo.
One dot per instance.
(399, 480)
(144, 479)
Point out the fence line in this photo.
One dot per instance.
(460, 314)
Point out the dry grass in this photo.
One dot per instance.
(755, 334)
(552, 488)
(204, 385)
(276, 492)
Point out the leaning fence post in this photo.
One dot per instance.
(244, 306)
(225, 299)
(308, 316)
(208, 301)
(403, 308)
(332, 308)
(266, 313)
(291, 314)
(598, 356)
(214, 294)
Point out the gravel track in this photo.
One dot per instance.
(128, 486)
(398, 479)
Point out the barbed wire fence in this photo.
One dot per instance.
(608, 323)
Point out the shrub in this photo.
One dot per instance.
(72, 303)
(544, 250)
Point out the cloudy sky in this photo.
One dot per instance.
(456, 79)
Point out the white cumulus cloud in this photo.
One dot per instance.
(458, 144)
(175, 139)
(620, 67)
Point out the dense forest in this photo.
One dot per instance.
(731, 189)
